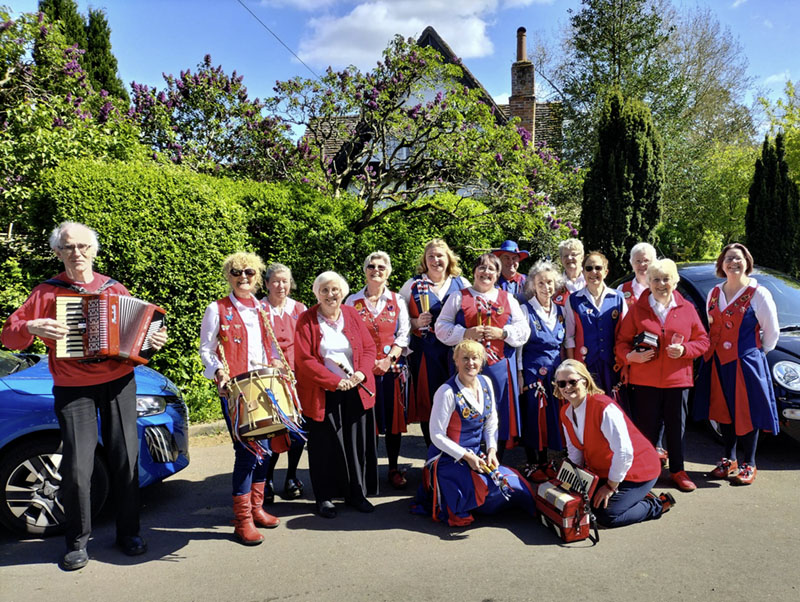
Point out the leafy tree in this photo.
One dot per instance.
(48, 112)
(623, 187)
(773, 214)
(407, 130)
(71, 23)
(205, 120)
(99, 61)
(613, 44)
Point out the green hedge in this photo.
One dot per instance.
(164, 231)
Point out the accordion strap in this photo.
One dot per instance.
(79, 289)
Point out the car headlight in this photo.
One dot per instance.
(147, 405)
(787, 375)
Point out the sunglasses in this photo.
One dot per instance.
(595, 268)
(380, 268)
(572, 382)
(247, 272)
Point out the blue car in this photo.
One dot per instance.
(30, 442)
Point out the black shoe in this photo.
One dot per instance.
(292, 489)
(326, 509)
(269, 493)
(667, 501)
(362, 505)
(74, 560)
(132, 545)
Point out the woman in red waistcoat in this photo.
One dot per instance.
(283, 312)
(334, 356)
(234, 341)
(601, 438)
(659, 377)
(735, 384)
(386, 317)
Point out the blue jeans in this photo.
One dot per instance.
(247, 468)
(629, 505)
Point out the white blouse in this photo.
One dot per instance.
(335, 347)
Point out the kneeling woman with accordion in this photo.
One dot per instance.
(234, 341)
(602, 438)
(458, 478)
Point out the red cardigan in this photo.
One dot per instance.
(662, 371)
(313, 378)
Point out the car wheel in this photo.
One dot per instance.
(30, 500)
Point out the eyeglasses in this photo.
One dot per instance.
(572, 382)
(82, 247)
(486, 268)
(595, 268)
(249, 272)
(380, 268)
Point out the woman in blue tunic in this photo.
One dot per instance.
(429, 361)
(458, 478)
(734, 386)
(592, 316)
(539, 358)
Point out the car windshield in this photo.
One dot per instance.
(11, 363)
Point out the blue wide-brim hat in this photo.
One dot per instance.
(509, 246)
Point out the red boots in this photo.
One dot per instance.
(260, 517)
(244, 530)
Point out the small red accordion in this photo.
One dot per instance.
(564, 503)
(107, 325)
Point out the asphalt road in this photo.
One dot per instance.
(719, 543)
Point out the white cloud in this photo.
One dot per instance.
(778, 78)
(737, 3)
(359, 36)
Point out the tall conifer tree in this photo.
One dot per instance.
(772, 221)
(623, 187)
(99, 61)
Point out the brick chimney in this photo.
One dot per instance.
(522, 102)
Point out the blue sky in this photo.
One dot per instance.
(154, 36)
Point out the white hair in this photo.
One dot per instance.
(330, 276)
(541, 267)
(58, 232)
(573, 244)
(643, 247)
(379, 255)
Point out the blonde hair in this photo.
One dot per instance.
(465, 346)
(666, 267)
(583, 371)
(452, 259)
(383, 256)
(240, 261)
(573, 244)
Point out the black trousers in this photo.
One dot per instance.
(76, 409)
(653, 405)
(342, 454)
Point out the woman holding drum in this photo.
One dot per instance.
(430, 360)
(386, 317)
(335, 355)
(493, 317)
(233, 342)
(283, 313)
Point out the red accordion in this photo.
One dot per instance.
(107, 325)
(564, 503)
